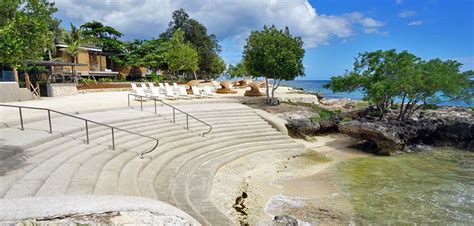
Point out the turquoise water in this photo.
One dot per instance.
(435, 187)
(317, 86)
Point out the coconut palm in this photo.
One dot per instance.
(73, 39)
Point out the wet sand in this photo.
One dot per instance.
(297, 184)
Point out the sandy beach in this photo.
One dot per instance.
(297, 184)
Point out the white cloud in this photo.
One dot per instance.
(415, 23)
(406, 13)
(228, 19)
(399, 2)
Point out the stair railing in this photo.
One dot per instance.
(141, 98)
(87, 121)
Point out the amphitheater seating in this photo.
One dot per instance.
(179, 172)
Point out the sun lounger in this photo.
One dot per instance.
(155, 93)
(140, 94)
(183, 93)
(134, 87)
(144, 87)
(162, 87)
(151, 85)
(196, 92)
(175, 85)
(170, 93)
(208, 91)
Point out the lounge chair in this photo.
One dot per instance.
(155, 93)
(183, 93)
(175, 85)
(162, 87)
(140, 93)
(144, 87)
(151, 85)
(134, 87)
(196, 92)
(170, 93)
(167, 85)
(208, 91)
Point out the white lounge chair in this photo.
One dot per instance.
(167, 85)
(134, 87)
(183, 93)
(170, 93)
(162, 87)
(151, 85)
(208, 91)
(196, 92)
(144, 87)
(175, 85)
(155, 93)
(140, 93)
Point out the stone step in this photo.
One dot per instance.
(193, 195)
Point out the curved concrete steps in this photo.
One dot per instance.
(180, 171)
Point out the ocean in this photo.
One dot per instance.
(317, 86)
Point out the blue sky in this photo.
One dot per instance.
(334, 31)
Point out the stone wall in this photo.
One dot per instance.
(62, 89)
(11, 92)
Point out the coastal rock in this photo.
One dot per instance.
(445, 127)
(387, 140)
(284, 220)
(302, 127)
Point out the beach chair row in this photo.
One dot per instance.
(170, 93)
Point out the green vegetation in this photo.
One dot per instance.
(315, 156)
(105, 37)
(74, 39)
(237, 71)
(25, 30)
(274, 54)
(206, 45)
(385, 75)
(180, 56)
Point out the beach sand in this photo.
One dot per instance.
(297, 184)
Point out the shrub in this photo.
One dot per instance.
(106, 80)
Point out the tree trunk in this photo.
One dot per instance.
(74, 70)
(195, 76)
(267, 90)
(15, 75)
(401, 107)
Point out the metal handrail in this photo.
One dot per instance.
(87, 121)
(174, 111)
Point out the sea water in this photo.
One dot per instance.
(434, 187)
(316, 86)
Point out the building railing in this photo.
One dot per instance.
(87, 122)
(172, 107)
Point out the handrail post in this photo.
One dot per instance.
(113, 139)
(128, 100)
(87, 132)
(155, 105)
(174, 120)
(49, 120)
(141, 103)
(21, 119)
(187, 122)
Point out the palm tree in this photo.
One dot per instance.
(73, 39)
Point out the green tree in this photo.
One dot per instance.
(274, 54)
(237, 71)
(105, 37)
(386, 76)
(217, 69)
(180, 56)
(74, 39)
(195, 33)
(24, 30)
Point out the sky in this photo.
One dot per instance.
(333, 31)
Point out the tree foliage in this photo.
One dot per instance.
(104, 36)
(274, 54)
(196, 34)
(24, 29)
(237, 71)
(180, 56)
(386, 76)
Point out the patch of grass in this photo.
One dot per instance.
(395, 106)
(315, 156)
